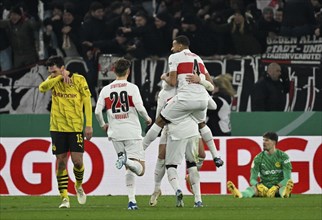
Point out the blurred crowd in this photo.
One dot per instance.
(140, 29)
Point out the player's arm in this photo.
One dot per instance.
(49, 83)
(254, 172)
(100, 105)
(86, 96)
(99, 115)
(205, 80)
(171, 78)
(287, 169)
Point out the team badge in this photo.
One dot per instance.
(277, 164)
(53, 147)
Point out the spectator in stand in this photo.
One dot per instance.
(267, 27)
(165, 30)
(298, 18)
(93, 29)
(279, 16)
(52, 27)
(113, 17)
(143, 36)
(269, 93)
(70, 33)
(242, 30)
(219, 119)
(192, 27)
(5, 51)
(21, 33)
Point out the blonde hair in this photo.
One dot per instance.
(223, 82)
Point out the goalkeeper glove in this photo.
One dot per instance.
(261, 189)
(271, 192)
(218, 161)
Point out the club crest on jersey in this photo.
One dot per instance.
(53, 147)
(277, 164)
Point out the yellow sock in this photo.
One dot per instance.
(62, 179)
(79, 174)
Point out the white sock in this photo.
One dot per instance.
(200, 162)
(195, 182)
(173, 178)
(158, 174)
(151, 135)
(130, 185)
(208, 138)
(135, 166)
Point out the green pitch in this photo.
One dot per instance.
(216, 207)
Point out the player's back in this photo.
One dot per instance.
(184, 64)
(120, 98)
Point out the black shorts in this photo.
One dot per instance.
(63, 142)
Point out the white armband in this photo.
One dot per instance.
(210, 87)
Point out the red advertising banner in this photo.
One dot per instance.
(27, 167)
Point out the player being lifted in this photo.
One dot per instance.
(274, 168)
(123, 102)
(70, 96)
(191, 99)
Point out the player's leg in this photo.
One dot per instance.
(205, 132)
(233, 190)
(206, 135)
(154, 131)
(131, 155)
(174, 110)
(201, 154)
(285, 191)
(175, 151)
(191, 153)
(60, 149)
(76, 143)
(130, 186)
(134, 163)
(159, 169)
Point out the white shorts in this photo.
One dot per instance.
(176, 110)
(177, 150)
(133, 148)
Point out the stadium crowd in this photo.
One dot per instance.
(140, 29)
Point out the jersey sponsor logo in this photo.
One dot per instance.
(270, 172)
(278, 164)
(64, 95)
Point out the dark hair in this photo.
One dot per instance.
(271, 135)
(55, 60)
(121, 65)
(182, 39)
(95, 6)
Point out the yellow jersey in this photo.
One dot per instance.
(68, 103)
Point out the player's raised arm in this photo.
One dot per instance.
(49, 83)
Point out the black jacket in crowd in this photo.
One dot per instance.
(269, 95)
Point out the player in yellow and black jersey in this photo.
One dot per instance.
(70, 99)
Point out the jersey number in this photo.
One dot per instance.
(123, 99)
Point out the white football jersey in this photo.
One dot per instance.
(187, 128)
(183, 63)
(122, 101)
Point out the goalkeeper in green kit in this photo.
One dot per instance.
(274, 168)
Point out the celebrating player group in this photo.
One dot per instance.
(181, 115)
